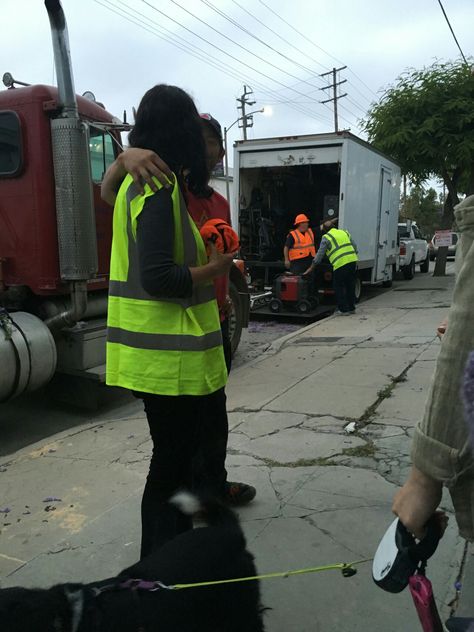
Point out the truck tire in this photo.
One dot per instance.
(409, 270)
(235, 318)
(425, 265)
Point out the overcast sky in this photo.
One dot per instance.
(114, 57)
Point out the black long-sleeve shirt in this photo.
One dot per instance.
(160, 276)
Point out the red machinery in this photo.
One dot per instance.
(293, 291)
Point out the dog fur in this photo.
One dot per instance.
(215, 551)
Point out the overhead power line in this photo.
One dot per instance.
(301, 52)
(196, 17)
(132, 15)
(315, 45)
(223, 51)
(258, 39)
(247, 50)
(452, 31)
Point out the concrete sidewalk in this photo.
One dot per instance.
(324, 495)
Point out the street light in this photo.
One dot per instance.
(226, 129)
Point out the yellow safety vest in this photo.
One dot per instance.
(340, 250)
(166, 346)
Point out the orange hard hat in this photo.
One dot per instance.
(220, 233)
(299, 219)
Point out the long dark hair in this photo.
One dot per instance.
(168, 122)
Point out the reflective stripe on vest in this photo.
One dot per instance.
(303, 245)
(340, 250)
(167, 346)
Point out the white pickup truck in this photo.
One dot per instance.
(414, 249)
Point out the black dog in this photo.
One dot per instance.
(214, 552)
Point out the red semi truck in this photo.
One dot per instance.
(56, 231)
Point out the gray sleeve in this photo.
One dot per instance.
(321, 251)
(441, 446)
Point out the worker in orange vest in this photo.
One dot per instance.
(299, 250)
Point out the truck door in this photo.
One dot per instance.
(383, 223)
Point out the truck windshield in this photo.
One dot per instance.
(10, 144)
(403, 232)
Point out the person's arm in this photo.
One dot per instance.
(319, 255)
(289, 243)
(354, 245)
(417, 501)
(441, 452)
(142, 165)
(323, 246)
(160, 276)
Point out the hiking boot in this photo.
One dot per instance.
(238, 494)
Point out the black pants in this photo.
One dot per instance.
(189, 436)
(298, 266)
(344, 279)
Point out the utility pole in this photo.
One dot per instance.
(247, 119)
(334, 85)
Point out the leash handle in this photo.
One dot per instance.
(422, 550)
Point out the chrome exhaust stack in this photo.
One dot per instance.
(75, 213)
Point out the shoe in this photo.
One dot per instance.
(339, 313)
(238, 494)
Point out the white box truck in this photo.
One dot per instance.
(324, 176)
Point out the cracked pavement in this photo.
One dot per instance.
(324, 494)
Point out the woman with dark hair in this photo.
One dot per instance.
(164, 341)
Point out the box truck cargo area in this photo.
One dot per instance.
(323, 176)
(271, 197)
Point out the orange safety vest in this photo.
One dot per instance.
(303, 246)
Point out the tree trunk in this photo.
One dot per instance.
(440, 262)
(447, 218)
(470, 182)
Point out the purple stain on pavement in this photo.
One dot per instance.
(5, 510)
(468, 396)
(52, 499)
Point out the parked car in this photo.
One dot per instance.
(433, 247)
(413, 249)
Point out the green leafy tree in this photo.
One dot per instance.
(426, 123)
(424, 207)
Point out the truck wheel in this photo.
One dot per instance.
(235, 318)
(409, 270)
(275, 305)
(425, 266)
(358, 289)
(303, 307)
